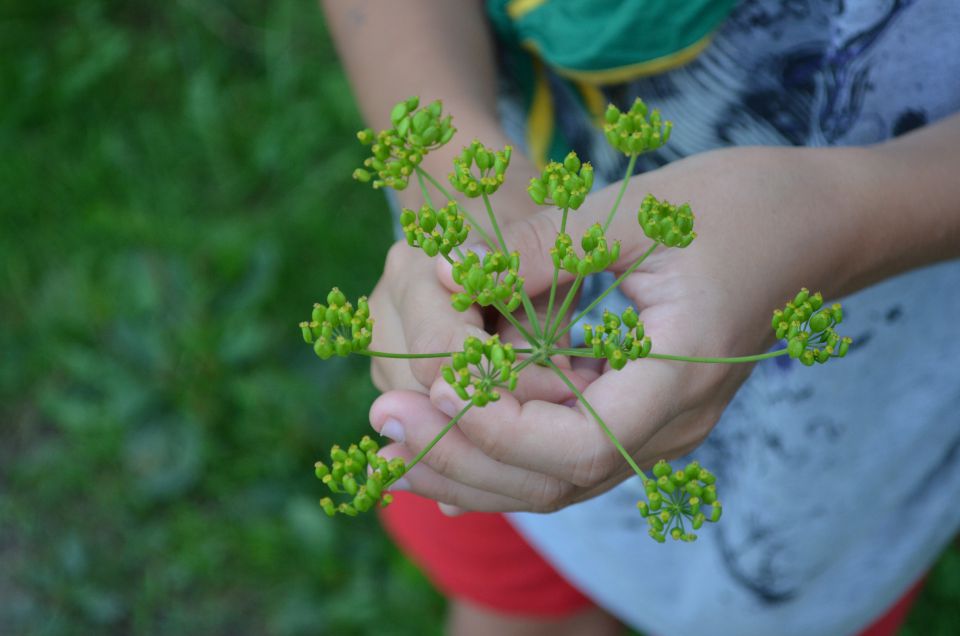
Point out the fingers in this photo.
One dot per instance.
(568, 443)
(423, 480)
(428, 323)
(410, 418)
(540, 383)
(539, 436)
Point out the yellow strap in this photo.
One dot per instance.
(594, 100)
(516, 9)
(621, 74)
(540, 117)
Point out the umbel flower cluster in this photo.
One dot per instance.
(677, 502)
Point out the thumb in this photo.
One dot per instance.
(534, 237)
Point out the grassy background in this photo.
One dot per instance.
(174, 196)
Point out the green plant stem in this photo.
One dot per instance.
(556, 273)
(423, 189)
(411, 356)
(513, 321)
(503, 312)
(433, 442)
(436, 184)
(587, 352)
(607, 291)
(571, 293)
(531, 315)
(734, 360)
(599, 420)
(525, 299)
(456, 418)
(623, 188)
(493, 222)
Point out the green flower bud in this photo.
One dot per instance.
(367, 444)
(795, 348)
(321, 470)
(461, 301)
(399, 112)
(327, 505)
(307, 332)
(655, 500)
(819, 322)
(666, 485)
(662, 469)
(709, 494)
(366, 136)
(397, 468)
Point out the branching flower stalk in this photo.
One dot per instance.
(677, 502)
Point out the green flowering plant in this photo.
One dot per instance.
(678, 501)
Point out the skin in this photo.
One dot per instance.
(443, 49)
(762, 219)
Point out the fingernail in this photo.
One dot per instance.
(447, 407)
(449, 510)
(400, 484)
(393, 429)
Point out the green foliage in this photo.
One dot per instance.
(807, 325)
(689, 493)
(564, 185)
(492, 280)
(483, 367)
(597, 257)
(435, 231)
(636, 131)
(361, 475)
(478, 170)
(665, 222)
(396, 152)
(172, 174)
(338, 328)
(616, 344)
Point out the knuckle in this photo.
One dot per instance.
(442, 461)
(379, 377)
(396, 258)
(530, 236)
(492, 445)
(593, 469)
(427, 341)
(549, 495)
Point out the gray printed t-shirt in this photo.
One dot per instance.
(839, 482)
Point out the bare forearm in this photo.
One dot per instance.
(910, 189)
(433, 48)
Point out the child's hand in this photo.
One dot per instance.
(769, 221)
(414, 315)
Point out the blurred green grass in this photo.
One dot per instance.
(174, 196)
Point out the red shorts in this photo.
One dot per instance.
(480, 558)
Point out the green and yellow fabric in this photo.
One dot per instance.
(592, 44)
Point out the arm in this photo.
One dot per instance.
(432, 48)
(909, 188)
(435, 49)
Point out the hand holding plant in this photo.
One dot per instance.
(499, 453)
